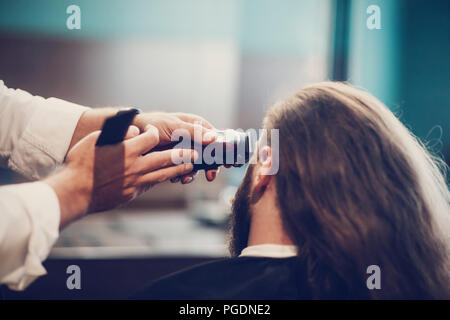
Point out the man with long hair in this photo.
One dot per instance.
(354, 189)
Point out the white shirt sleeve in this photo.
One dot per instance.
(29, 224)
(35, 134)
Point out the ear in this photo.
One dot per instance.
(262, 174)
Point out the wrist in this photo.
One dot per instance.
(72, 194)
(90, 121)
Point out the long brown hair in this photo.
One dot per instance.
(355, 189)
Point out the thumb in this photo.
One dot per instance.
(132, 132)
(93, 136)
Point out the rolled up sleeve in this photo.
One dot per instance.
(35, 134)
(29, 226)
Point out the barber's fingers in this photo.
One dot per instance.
(162, 159)
(198, 133)
(143, 142)
(132, 132)
(175, 180)
(188, 178)
(164, 174)
(192, 118)
(184, 179)
(211, 174)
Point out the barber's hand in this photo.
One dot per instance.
(167, 123)
(98, 178)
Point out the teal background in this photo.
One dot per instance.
(269, 26)
(374, 54)
(406, 64)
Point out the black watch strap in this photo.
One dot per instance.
(115, 128)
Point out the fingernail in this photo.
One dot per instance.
(210, 136)
(189, 180)
(134, 131)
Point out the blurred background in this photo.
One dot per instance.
(227, 61)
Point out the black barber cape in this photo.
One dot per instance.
(235, 278)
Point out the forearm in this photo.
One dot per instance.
(73, 193)
(91, 120)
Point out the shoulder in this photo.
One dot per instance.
(236, 278)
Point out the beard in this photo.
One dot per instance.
(240, 215)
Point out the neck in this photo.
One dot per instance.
(266, 226)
